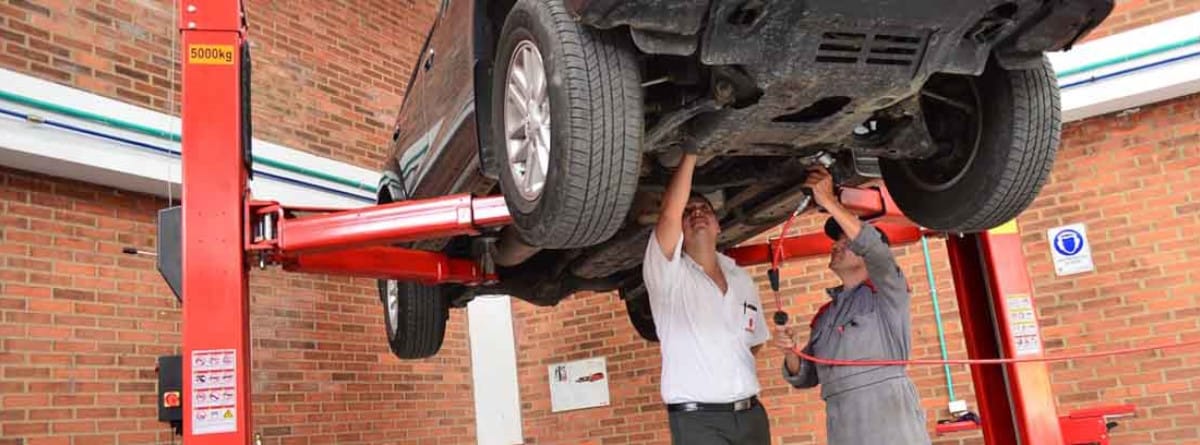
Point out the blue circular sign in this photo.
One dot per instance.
(1068, 242)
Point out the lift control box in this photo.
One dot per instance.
(170, 391)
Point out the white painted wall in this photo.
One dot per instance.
(1140, 87)
(58, 152)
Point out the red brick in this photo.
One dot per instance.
(74, 427)
(73, 400)
(29, 264)
(75, 320)
(50, 414)
(25, 400)
(74, 346)
(96, 413)
(17, 429)
(48, 440)
(95, 309)
(26, 345)
(1177, 434)
(74, 373)
(97, 439)
(49, 332)
(112, 323)
(94, 360)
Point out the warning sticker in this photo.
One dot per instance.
(214, 391)
(1022, 323)
(210, 54)
(1008, 228)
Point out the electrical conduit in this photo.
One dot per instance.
(166, 151)
(937, 316)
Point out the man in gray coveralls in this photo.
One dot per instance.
(868, 318)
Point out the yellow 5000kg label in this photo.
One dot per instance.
(210, 54)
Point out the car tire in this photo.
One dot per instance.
(1017, 131)
(589, 169)
(415, 319)
(637, 305)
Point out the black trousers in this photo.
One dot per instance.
(748, 427)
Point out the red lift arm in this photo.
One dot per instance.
(356, 242)
(224, 231)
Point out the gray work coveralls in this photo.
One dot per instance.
(866, 405)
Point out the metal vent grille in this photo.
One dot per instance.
(871, 49)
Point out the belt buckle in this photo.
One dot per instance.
(691, 407)
(741, 405)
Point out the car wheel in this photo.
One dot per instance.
(414, 316)
(568, 111)
(996, 136)
(637, 305)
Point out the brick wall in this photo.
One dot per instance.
(1132, 178)
(1130, 14)
(328, 78)
(83, 324)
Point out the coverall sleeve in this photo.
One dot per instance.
(881, 266)
(806, 377)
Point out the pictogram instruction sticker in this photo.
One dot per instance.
(214, 391)
(1022, 324)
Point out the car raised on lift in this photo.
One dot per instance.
(578, 110)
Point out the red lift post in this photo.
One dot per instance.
(216, 318)
(224, 231)
(995, 301)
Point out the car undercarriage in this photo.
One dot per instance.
(578, 112)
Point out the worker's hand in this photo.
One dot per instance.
(785, 339)
(821, 183)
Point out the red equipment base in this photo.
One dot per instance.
(1087, 426)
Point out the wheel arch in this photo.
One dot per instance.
(486, 24)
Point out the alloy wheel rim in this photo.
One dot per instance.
(392, 289)
(527, 120)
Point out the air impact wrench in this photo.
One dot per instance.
(780, 317)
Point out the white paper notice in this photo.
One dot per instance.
(578, 384)
(214, 391)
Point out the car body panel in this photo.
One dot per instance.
(442, 130)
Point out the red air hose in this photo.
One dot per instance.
(781, 317)
(991, 361)
(777, 257)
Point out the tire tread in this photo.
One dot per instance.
(424, 311)
(600, 77)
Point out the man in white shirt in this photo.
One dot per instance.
(709, 322)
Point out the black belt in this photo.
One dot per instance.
(740, 405)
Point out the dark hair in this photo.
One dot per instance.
(700, 196)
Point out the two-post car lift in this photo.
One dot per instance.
(225, 232)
